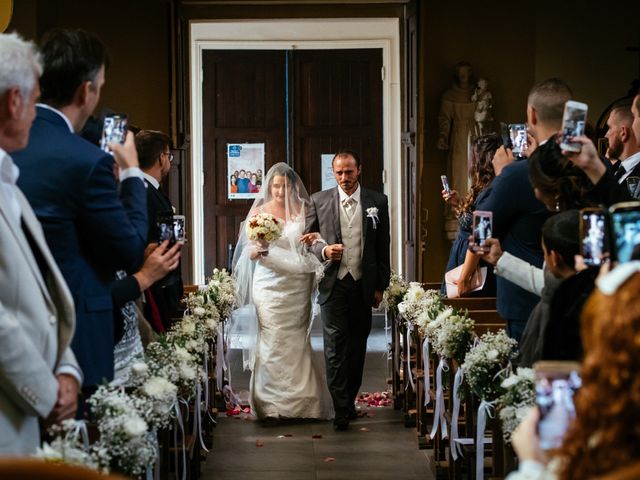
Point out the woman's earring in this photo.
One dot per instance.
(557, 205)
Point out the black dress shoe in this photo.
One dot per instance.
(341, 423)
(352, 414)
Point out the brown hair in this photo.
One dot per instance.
(150, 144)
(548, 98)
(605, 435)
(480, 168)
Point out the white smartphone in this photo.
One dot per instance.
(573, 122)
(445, 183)
(594, 245)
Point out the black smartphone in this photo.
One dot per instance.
(519, 140)
(114, 130)
(171, 227)
(482, 228)
(556, 383)
(594, 238)
(445, 183)
(625, 231)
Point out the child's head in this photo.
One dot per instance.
(561, 242)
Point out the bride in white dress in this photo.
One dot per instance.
(280, 283)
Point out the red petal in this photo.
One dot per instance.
(316, 436)
(259, 444)
(288, 435)
(364, 429)
(329, 459)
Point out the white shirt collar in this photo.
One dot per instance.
(344, 196)
(64, 117)
(9, 171)
(629, 163)
(152, 180)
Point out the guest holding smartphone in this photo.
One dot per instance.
(481, 173)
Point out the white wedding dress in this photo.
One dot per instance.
(285, 382)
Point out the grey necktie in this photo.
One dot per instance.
(349, 207)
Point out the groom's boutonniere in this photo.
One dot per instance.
(372, 213)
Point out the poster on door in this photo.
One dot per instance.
(328, 178)
(245, 167)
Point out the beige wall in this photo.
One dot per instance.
(136, 34)
(590, 56)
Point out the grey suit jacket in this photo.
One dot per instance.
(324, 217)
(37, 319)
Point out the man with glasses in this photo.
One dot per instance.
(154, 153)
(92, 227)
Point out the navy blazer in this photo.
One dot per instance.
(517, 222)
(324, 217)
(90, 231)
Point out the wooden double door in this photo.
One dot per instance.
(300, 104)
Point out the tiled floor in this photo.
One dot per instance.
(375, 447)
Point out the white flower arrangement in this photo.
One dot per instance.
(221, 290)
(263, 228)
(396, 290)
(419, 306)
(451, 334)
(485, 364)
(516, 401)
(67, 447)
(372, 213)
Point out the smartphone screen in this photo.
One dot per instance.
(114, 130)
(573, 123)
(625, 223)
(445, 183)
(166, 228)
(519, 140)
(178, 228)
(594, 245)
(482, 227)
(556, 383)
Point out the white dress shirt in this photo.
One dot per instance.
(629, 164)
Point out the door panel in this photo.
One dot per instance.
(337, 104)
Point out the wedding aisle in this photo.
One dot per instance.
(377, 445)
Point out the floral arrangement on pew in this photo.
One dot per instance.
(221, 290)
(516, 401)
(420, 305)
(128, 419)
(485, 367)
(395, 292)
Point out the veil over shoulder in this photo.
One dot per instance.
(275, 294)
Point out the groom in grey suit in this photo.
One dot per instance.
(39, 375)
(353, 222)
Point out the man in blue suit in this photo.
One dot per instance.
(517, 214)
(92, 229)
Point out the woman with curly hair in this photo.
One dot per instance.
(603, 441)
(557, 182)
(481, 174)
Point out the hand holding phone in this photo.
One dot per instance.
(573, 124)
(556, 383)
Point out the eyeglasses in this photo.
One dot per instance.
(170, 156)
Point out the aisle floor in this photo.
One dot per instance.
(376, 446)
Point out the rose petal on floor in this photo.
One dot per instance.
(329, 459)
(259, 443)
(364, 429)
(316, 436)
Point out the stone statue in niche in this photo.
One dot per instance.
(484, 105)
(457, 126)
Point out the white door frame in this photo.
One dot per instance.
(299, 34)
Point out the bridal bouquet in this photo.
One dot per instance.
(485, 364)
(264, 228)
(517, 400)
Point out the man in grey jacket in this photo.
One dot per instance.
(354, 223)
(39, 375)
